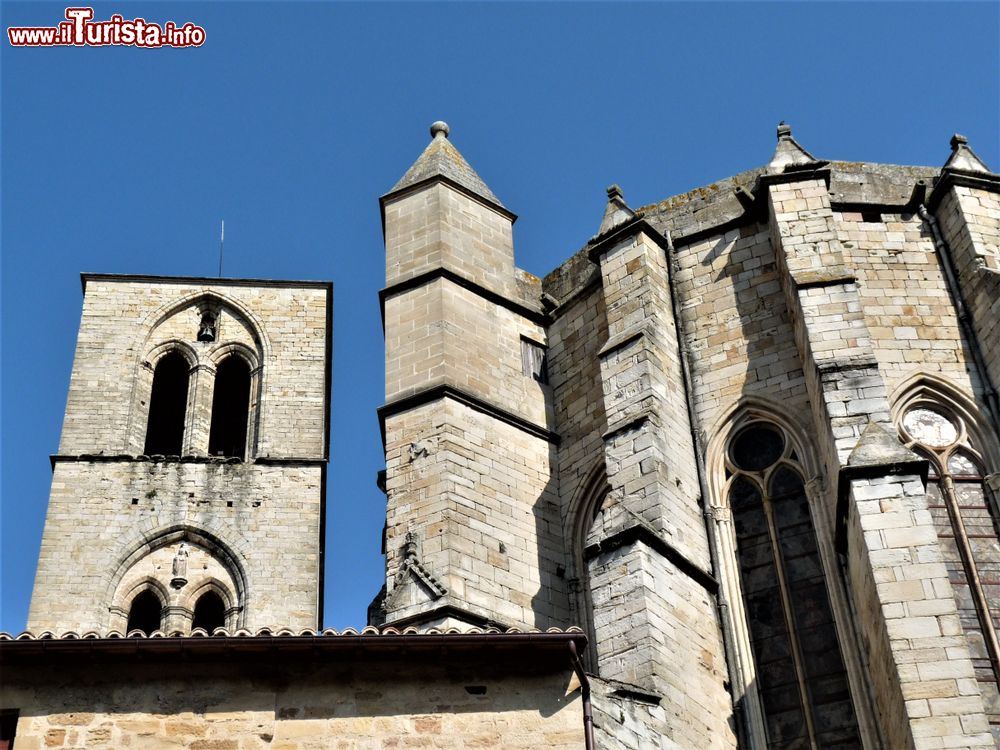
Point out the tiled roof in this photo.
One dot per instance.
(199, 633)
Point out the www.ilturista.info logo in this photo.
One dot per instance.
(78, 30)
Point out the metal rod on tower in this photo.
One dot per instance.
(222, 242)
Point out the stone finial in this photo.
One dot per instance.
(440, 127)
(789, 152)
(963, 157)
(617, 211)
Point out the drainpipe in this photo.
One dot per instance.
(588, 709)
(737, 677)
(964, 319)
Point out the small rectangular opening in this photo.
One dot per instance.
(871, 217)
(533, 361)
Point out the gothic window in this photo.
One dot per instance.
(230, 408)
(145, 613)
(167, 406)
(800, 672)
(209, 612)
(968, 529)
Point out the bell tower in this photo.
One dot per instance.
(188, 488)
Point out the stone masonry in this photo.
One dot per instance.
(599, 449)
(260, 516)
(810, 294)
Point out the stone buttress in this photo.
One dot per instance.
(910, 626)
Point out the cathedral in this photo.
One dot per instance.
(728, 477)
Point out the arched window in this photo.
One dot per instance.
(230, 408)
(145, 613)
(968, 528)
(167, 406)
(800, 674)
(209, 612)
(593, 494)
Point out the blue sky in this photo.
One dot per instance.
(292, 119)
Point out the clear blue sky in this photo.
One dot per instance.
(292, 119)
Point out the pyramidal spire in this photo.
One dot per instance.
(788, 152)
(963, 157)
(616, 212)
(441, 159)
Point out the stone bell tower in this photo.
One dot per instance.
(188, 487)
(466, 421)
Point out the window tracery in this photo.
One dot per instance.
(800, 674)
(968, 529)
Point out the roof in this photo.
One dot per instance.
(441, 159)
(307, 643)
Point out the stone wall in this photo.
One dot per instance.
(260, 513)
(120, 315)
(100, 513)
(478, 497)
(441, 333)
(265, 704)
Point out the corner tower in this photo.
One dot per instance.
(188, 487)
(472, 531)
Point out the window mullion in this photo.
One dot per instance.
(793, 636)
(972, 574)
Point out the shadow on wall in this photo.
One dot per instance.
(272, 697)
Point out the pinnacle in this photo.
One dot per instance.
(616, 212)
(963, 157)
(788, 152)
(441, 159)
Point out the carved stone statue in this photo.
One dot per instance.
(179, 569)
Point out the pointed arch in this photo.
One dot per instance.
(781, 518)
(942, 424)
(748, 409)
(149, 343)
(199, 298)
(140, 545)
(933, 389)
(583, 509)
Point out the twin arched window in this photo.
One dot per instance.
(146, 613)
(801, 678)
(968, 529)
(168, 407)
